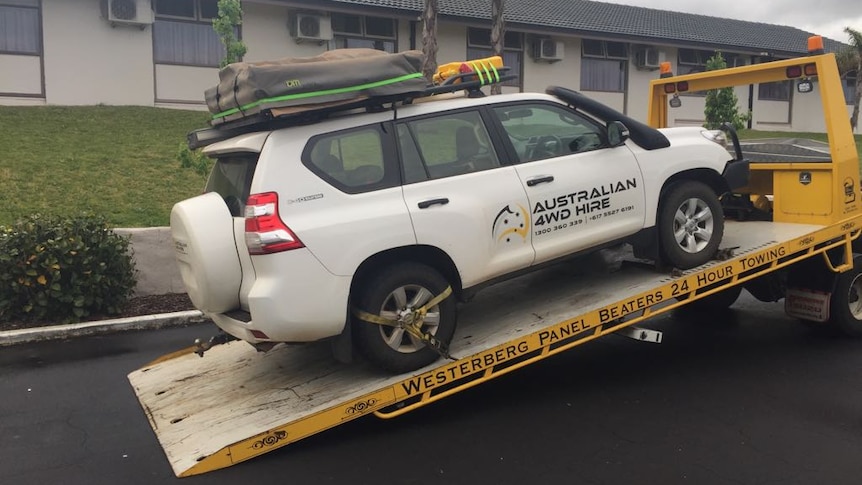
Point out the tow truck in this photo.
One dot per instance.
(790, 234)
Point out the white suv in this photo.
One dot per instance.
(360, 226)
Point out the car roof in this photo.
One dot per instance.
(253, 142)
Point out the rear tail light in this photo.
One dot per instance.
(265, 232)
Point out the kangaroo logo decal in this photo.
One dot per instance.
(510, 223)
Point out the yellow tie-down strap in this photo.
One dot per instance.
(412, 323)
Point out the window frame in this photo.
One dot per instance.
(501, 152)
(197, 20)
(763, 93)
(594, 56)
(514, 48)
(197, 17)
(513, 157)
(340, 36)
(39, 33)
(391, 163)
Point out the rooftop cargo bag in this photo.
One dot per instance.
(308, 83)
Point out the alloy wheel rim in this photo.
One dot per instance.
(693, 223)
(399, 305)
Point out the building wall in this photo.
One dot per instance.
(20, 75)
(89, 62)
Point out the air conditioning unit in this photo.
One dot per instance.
(314, 28)
(128, 12)
(548, 50)
(647, 58)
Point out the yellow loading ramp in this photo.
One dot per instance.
(235, 403)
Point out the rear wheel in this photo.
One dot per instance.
(846, 302)
(690, 224)
(394, 294)
(717, 301)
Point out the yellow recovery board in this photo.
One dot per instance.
(235, 403)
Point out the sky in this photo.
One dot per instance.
(824, 17)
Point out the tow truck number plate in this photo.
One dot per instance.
(807, 304)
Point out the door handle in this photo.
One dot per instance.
(543, 179)
(428, 203)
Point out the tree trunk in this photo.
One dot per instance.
(498, 31)
(429, 39)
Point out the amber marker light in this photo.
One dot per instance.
(810, 70)
(815, 45)
(664, 70)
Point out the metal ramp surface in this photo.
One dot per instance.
(236, 403)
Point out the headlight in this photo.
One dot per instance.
(716, 136)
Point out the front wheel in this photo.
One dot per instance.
(690, 224)
(394, 294)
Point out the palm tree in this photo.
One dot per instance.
(850, 60)
(498, 31)
(429, 39)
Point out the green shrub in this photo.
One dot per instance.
(63, 269)
(195, 160)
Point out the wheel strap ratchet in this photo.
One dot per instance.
(414, 325)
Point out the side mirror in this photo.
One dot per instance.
(617, 133)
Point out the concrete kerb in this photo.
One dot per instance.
(100, 327)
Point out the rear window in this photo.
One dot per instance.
(354, 160)
(231, 178)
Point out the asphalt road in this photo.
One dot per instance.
(744, 397)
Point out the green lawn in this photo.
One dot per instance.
(117, 161)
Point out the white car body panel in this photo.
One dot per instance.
(303, 294)
(498, 246)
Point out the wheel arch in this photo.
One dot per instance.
(707, 176)
(423, 254)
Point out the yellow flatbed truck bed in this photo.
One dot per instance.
(236, 403)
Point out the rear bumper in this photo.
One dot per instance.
(293, 299)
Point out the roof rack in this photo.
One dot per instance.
(469, 76)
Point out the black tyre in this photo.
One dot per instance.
(395, 291)
(717, 301)
(846, 302)
(690, 224)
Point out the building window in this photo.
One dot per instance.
(850, 88)
(479, 47)
(370, 32)
(774, 91)
(603, 66)
(20, 32)
(183, 33)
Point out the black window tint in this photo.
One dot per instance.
(176, 8)
(453, 144)
(380, 27)
(231, 178)
(347, 24)
(353, 160)
(209, 9)
(542, 131)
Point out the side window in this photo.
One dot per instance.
(542, 131)
(353, 161)
(443, 146)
